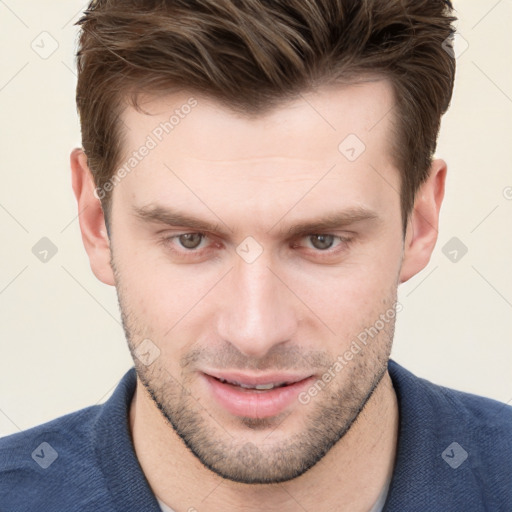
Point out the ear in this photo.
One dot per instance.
(91, 218)
(422, 226)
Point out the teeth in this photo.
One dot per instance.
(260, 386)
(257, 386)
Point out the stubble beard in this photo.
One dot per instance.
(220, 447)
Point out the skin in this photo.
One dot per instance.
(298, 306)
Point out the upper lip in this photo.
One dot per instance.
(246, 379)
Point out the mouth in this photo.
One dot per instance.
(253, 396)
(255, 387)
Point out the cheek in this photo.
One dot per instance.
(149, 292)
(350, 298)
(168, 302)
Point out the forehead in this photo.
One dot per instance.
(331, 146)
(185, 123)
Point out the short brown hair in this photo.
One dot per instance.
(252, 54)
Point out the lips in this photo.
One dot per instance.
(255, 396)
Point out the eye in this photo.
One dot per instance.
(185, 242)
(324, 247)
(190, 240)
(321, 242)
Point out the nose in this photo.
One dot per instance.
(257, 310)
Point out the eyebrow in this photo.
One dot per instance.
(330, 221)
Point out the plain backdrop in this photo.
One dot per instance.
(62, 345)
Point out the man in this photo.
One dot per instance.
(256, 180)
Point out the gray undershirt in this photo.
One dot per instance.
(379, 504)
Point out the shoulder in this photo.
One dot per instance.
(484, 415)
(63, 446)
(75, 425)
(81, 462)
(454, 443)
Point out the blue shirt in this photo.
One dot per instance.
(454, 454)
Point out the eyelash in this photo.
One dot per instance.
(344, 242)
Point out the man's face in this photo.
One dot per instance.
(250, 299)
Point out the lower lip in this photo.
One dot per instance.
(255, 404)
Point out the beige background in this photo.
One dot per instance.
(62, 346)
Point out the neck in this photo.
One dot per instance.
(353, 473)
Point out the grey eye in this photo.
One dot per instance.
(321, 242)
(190, 240)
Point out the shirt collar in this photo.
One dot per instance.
(426, 429)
